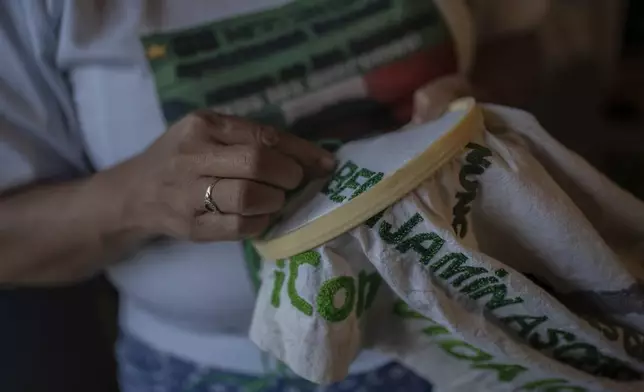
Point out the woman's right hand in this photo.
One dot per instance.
(162, 191)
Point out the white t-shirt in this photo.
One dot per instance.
(91, 83)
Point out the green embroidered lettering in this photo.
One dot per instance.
(460, 211)
(403, 310)
(551, 385)
(610, 332)
(368, 184)
(553, 339)
(279, 283)
(326, 297)
(456, 267)
(368, 285)
(341, 175)
(311, 258)
(579, 355)
(633, 343)
(478, 154)
(475, 165)
(506, 373)
(524, 325)
(371, 222)
(498, 300)
(478, 283)
(351, 183)
(470, 186)
(416, 243)
(462, 350)
(435, 330)
(614, 368)
(395, 238)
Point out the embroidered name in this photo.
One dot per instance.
(479, 284)
(349, 181)
(481, 360)
(336, 299)
(475, 165)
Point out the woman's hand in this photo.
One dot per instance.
(63, 232)
(248, 168)
(433, 99)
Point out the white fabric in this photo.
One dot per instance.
(77, 94)
(446, 280)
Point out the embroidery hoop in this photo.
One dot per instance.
(389, 190)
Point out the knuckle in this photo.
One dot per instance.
(195, 120)
(176, 164)
(252, 158)
(241, 196)
(192, 125)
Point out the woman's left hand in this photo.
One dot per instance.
(433, 99)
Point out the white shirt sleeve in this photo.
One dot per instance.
(39, 138)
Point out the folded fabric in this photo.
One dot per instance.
(475, 249)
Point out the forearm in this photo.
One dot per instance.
(60, 233)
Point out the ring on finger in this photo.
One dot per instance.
(208, 202)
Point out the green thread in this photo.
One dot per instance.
(456, 267)
(368, 184)
(506, 373)
(403, 310)
(368, 285)
(435, 330)
(396, 237)
(371, 222)
(326, 296)
(501, 273)
(340, 176)
(478, 283)
(475, 165)
(551, 385)
(351, 183)
(311, 258)
(478, 154)
(498, 300)
(578, 355)
(523, 324)
(460, 211)
(473, 354)
(553, 336)
(279, 277)
(416, 243)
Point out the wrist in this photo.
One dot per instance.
(108, 195)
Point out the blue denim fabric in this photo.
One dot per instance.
(144, 369)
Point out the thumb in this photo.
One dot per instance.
(433, 99)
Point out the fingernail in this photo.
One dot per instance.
(270, 137)
(328, 163)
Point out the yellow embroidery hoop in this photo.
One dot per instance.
(389, 190)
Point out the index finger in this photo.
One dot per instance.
(306, 153)
(234, 130)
